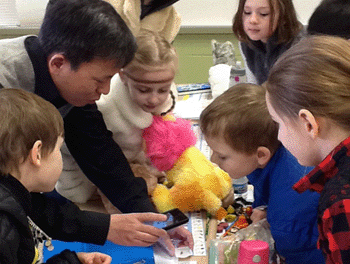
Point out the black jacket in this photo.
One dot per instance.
(260, 57)
(60, 221)
(154, 6)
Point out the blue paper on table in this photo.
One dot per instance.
(193, 88)
(119, 254)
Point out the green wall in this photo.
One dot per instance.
(17, 32)
(195, 55)
(194, 50)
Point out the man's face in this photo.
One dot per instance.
(86, 84)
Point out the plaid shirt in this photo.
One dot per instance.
(331, 178)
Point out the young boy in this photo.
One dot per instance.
(31, 134)
(243, 137)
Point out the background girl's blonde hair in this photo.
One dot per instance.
(288, 25)
(314, 75)
(153, 50)
(25, 118)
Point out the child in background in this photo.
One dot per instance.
(31, 134)
(331, 17)
(243, 137)
(265, 29)
(308, 94)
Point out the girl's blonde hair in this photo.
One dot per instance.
(288, 25)
(25, 118)
(314, 75)
(153, 51)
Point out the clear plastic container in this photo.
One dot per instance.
(238, 74)
(225, 250)
(240, 187)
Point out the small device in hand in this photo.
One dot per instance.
(175, 219)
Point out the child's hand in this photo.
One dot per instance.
(258, 214)
(182, 235)
(94, 258)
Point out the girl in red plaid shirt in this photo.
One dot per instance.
(308, 95)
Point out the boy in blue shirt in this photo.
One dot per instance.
(243, 137)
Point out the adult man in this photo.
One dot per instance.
(80, 46)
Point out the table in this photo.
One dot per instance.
(212, 227)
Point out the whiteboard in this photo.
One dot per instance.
(219, 13)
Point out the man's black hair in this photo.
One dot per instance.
(83, 30)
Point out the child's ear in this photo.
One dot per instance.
(263, 155)
(309, 123)
(35, 153)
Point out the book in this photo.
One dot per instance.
(190, 106)
(193, 88)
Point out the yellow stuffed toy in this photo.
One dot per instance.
(193, 182)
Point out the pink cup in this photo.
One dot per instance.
(253, 251)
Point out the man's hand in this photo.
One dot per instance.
(131, 230)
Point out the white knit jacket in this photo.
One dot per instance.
(125, 120)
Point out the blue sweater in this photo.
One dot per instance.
(292, 216)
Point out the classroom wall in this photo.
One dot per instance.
(194, 51)
(195, 55)
(195, 13)
(219, 13)
(202, 21)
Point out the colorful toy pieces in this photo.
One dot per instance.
(193, 182)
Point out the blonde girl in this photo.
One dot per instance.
(142, 89)
(265, 29)
(308, 95)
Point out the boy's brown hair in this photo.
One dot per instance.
(25, 118)
(288, 25)
(240, 116)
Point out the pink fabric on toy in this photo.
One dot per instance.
(166, 140)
